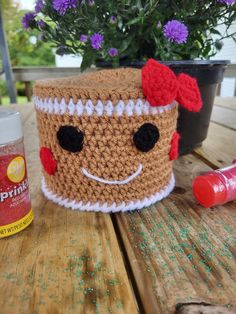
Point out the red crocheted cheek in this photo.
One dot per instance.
(174, 150)
(189, 95)
(47, 160)
(159, 83)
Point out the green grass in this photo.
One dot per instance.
(20, 100)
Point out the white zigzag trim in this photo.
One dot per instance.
(139, 107)
(123, 207)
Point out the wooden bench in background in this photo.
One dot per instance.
(27, 75)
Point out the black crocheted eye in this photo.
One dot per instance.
(146, 137)
(70, 138)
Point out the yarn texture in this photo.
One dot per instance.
(188, 95)
(146, 137)
(159, 83)
(174, 151)
(47, 160)
(108, 153)
(161, 86)
(69, 138)
(108, 137)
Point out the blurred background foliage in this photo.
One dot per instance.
(25, 48)
(136, 28)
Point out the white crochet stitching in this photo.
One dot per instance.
(105, 208)
(130, 178)
(131, 108)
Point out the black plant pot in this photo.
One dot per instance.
(193, 127)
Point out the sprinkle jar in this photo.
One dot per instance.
(15, 205)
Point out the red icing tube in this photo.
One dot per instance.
(216, 187)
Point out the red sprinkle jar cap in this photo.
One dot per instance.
(209, 190)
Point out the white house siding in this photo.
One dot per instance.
(68, 61)
(228, 52)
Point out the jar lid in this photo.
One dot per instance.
(10, 126)
(209, 190)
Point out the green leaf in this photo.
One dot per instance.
(139, 4)
(215, 31)
(126, 43)
(134, 21)
(88, 58)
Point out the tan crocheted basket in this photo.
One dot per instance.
(104, 145)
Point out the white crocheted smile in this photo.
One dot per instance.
(127, 180)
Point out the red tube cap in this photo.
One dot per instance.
(209, 190)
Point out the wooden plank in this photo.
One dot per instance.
(179, 252)
(29, 74)
(25, 74)
(219, 148)
(203, 309)
(224, 116)
(226, 102)
(66, 261)
(230, 71)
(28, 90)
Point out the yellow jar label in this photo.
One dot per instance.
(16, 170)
(17, 226)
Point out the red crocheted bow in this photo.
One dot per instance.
(161, 86)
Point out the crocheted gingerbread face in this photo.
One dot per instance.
(113, 153)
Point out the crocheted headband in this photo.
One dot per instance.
(108, 138)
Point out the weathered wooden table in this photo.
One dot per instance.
(173, 257)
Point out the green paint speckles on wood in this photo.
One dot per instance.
(148, 246)
(86, 280)
(34, 263)
(176, 248)
(85, 283)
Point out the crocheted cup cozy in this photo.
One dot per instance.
(104, 145)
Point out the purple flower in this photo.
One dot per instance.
(41, 24)
(113, 52)
(39, 6)
(97, 41)
(113, 19)
(228, 2)
(83, 38)
(27, 19)
(61, 6)
(176, 32)
(91, 3)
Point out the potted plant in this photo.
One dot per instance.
(128, 32)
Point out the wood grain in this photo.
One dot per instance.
(66, 261)
(226, 102)
(178, 251)
(180, 257)
(203, 309)
(224, 116)
(220, 146)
